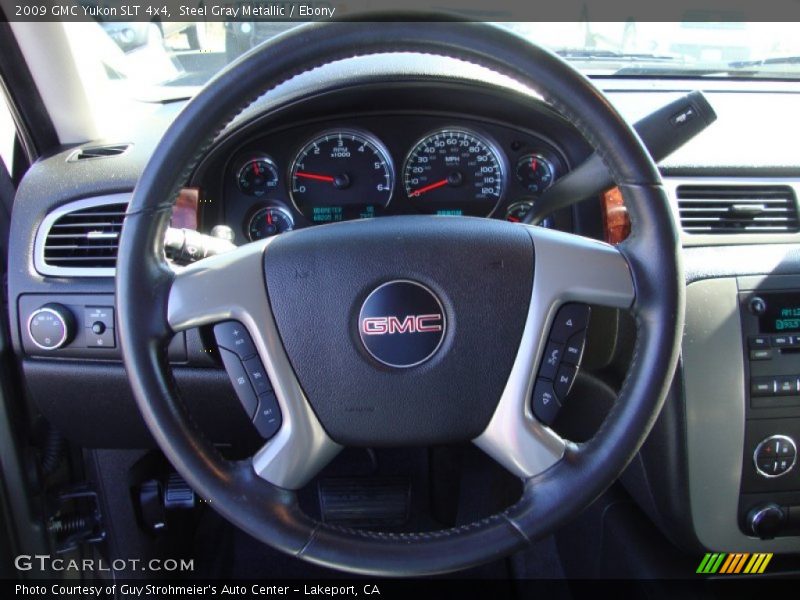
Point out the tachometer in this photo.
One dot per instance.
(340, 175)
(454, 171)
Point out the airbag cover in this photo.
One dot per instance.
(480, 274)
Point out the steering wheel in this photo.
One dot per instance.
(322, 303)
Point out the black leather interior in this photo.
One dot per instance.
(271, 514)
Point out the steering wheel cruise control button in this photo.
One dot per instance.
(241, 382)
(234, 337)
(267, 419)
(545, 403)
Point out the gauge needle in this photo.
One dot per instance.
(533, 165)
(513, 219)
(430, 187)
(269, 218)
(304, 175)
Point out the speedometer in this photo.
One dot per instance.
(340, 175)
(454, 171)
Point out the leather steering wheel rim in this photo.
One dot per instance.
(271, 514)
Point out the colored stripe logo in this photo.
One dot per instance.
(734, 564)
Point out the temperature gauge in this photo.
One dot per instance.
(257, 176)
(269, 221)
(534, 172)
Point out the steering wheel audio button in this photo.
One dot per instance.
(234, 337)
(551, 360)
(564, 380)
(570, 319)
(545, 402)
(240, 380)
(257, 374)
(267, 419)
(573, 351)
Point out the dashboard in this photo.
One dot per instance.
(383, 160)
(388, 165)
(396, 137)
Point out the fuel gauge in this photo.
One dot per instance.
(534, 172)
(268, 221)
(517, 211)
(257, 176)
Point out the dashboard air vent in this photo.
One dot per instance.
(86, 238)
(99, 152)
(731, 209)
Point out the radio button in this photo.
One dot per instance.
(762, 386)
(758, 341)
(786, 386)
(761, 354)
(781, 341)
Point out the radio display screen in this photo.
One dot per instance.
(782, 313)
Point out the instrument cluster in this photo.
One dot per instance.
(312, 175)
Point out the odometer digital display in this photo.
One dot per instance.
(341, 175)
(454, 169)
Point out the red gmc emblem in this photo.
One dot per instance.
(402, 323)
(410, 324)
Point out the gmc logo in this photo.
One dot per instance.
(410, 324)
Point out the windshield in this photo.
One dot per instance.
(161, 61)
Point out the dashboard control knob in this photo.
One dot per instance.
(766, 521)
(757, 305)
(775, 456)
(51, 326)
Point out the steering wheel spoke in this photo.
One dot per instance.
(210, 291)
(569, 269)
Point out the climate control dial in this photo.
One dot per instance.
(775, 456)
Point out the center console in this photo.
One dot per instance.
(769, 500)
(741, 400)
